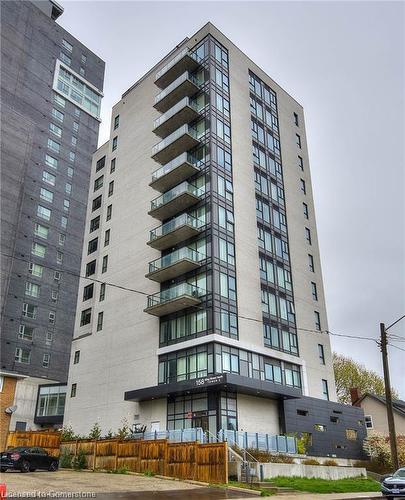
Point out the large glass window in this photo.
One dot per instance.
(51, 401)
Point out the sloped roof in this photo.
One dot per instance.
(397, 404)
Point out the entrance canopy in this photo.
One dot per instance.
(224, 381)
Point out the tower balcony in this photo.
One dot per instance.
(174, 172)
(175, 231)
(174, 299)
(179, 141)
(184, 86)
(183, 61)
(183, 112)
(176, 200)
(174, 264)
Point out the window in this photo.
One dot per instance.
(298, 140)
(46, 195)
(85, 317)
(59, 257)
(38, 249)
(104, 264)
(25, 332)
(333, 419)
(72, 156)
(321, 353)
(102, 292)
(96, 203)
(68, 188)
(55, 130)
(308, 235)
(305, 207)
(100, 163)
(107, 237)
(41, 231)
(51, 161)
(100, 321)
(75, 127)
(35, 269)
(63, 222)
(302, 413)
(70, 172)
(73, 140)
(224, 159)
(88, 292)
(77, 112)
(58, 115)
(221, 79)
(76, 357)
(109, 212)
(43, 212)
(226, 251)
(55, 146)
(98, 183)
(116, 122)
(229, 322)
(92, 246)
(111, 188)
(296, 119)
(303, 187)
(94, 223)
(57, 99)
(368, 420)
(222, 104)
(325, 389)
(54, 295)
(115, 143)
(22, 355)
(49, 337)
(301, 163)
(73, 390)
(227, 286)
(112, 167)
(225, 218)
(56, 275)
(45, 360)
(29, 310)
(84, 59)
(48, 178)
(225, 188)
(82, 71)
(311, 263)
(52, 317)
(90, 268)
(314, 291)
(320, 427)
(62, 239)
(66, 45)
(222, 130)
(66, 59)
(317, 320)
(351, 434)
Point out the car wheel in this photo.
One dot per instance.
(32, 470)
(3, 469)
(54, 466)
(25, 466)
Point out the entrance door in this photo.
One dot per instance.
(155, 426)
(200, 421)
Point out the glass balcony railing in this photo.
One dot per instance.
(183, 56)
(185, 102)
(175, 257)
(185, 77)
(172, 225)
(172, 165)
(184, 289)
(185, 129)
(182, 188)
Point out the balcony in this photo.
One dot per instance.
(176, 200)
(184, 61)
(174, 172)
(183, 112)
(174, 299)
(179, 141)
(184, 86)
(179, 229)
(174, 264)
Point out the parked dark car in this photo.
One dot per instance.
(27, 459)
(394, 486)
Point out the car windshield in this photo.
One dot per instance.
(400, 473)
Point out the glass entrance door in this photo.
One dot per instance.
(200, 421)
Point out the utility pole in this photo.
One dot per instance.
(388, 397)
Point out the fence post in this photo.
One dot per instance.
(77, 442)
(225, 444)
(94, 454)
(116, 454)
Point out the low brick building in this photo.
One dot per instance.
(8, 383)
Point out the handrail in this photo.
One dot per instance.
(178, 81)
(184, 129)
(176, 59)
(184, 187)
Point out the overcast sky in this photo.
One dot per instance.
(344, 62)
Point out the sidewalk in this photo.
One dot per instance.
(326, 496)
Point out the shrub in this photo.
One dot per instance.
(67, 433)
(121, 470)
(148, 473)
(310, 461)
(65, 459)
(95, 432)
(377, 447)
(264, 456)
(109, 434)
(124, 432)
(79, 461)
(330, 463)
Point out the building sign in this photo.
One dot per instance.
(217, 379)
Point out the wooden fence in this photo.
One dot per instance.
(193, 460)
(49, 440)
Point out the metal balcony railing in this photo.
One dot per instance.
(175, 257)
(175, 292)
(172, 225)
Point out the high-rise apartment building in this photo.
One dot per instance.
(203, 304)
(51, 90)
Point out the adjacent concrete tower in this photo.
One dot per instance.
(204, 303)
(51, 90)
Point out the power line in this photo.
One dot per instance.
(397, 347)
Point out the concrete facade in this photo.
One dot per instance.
(44, 189)
(144, 356)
